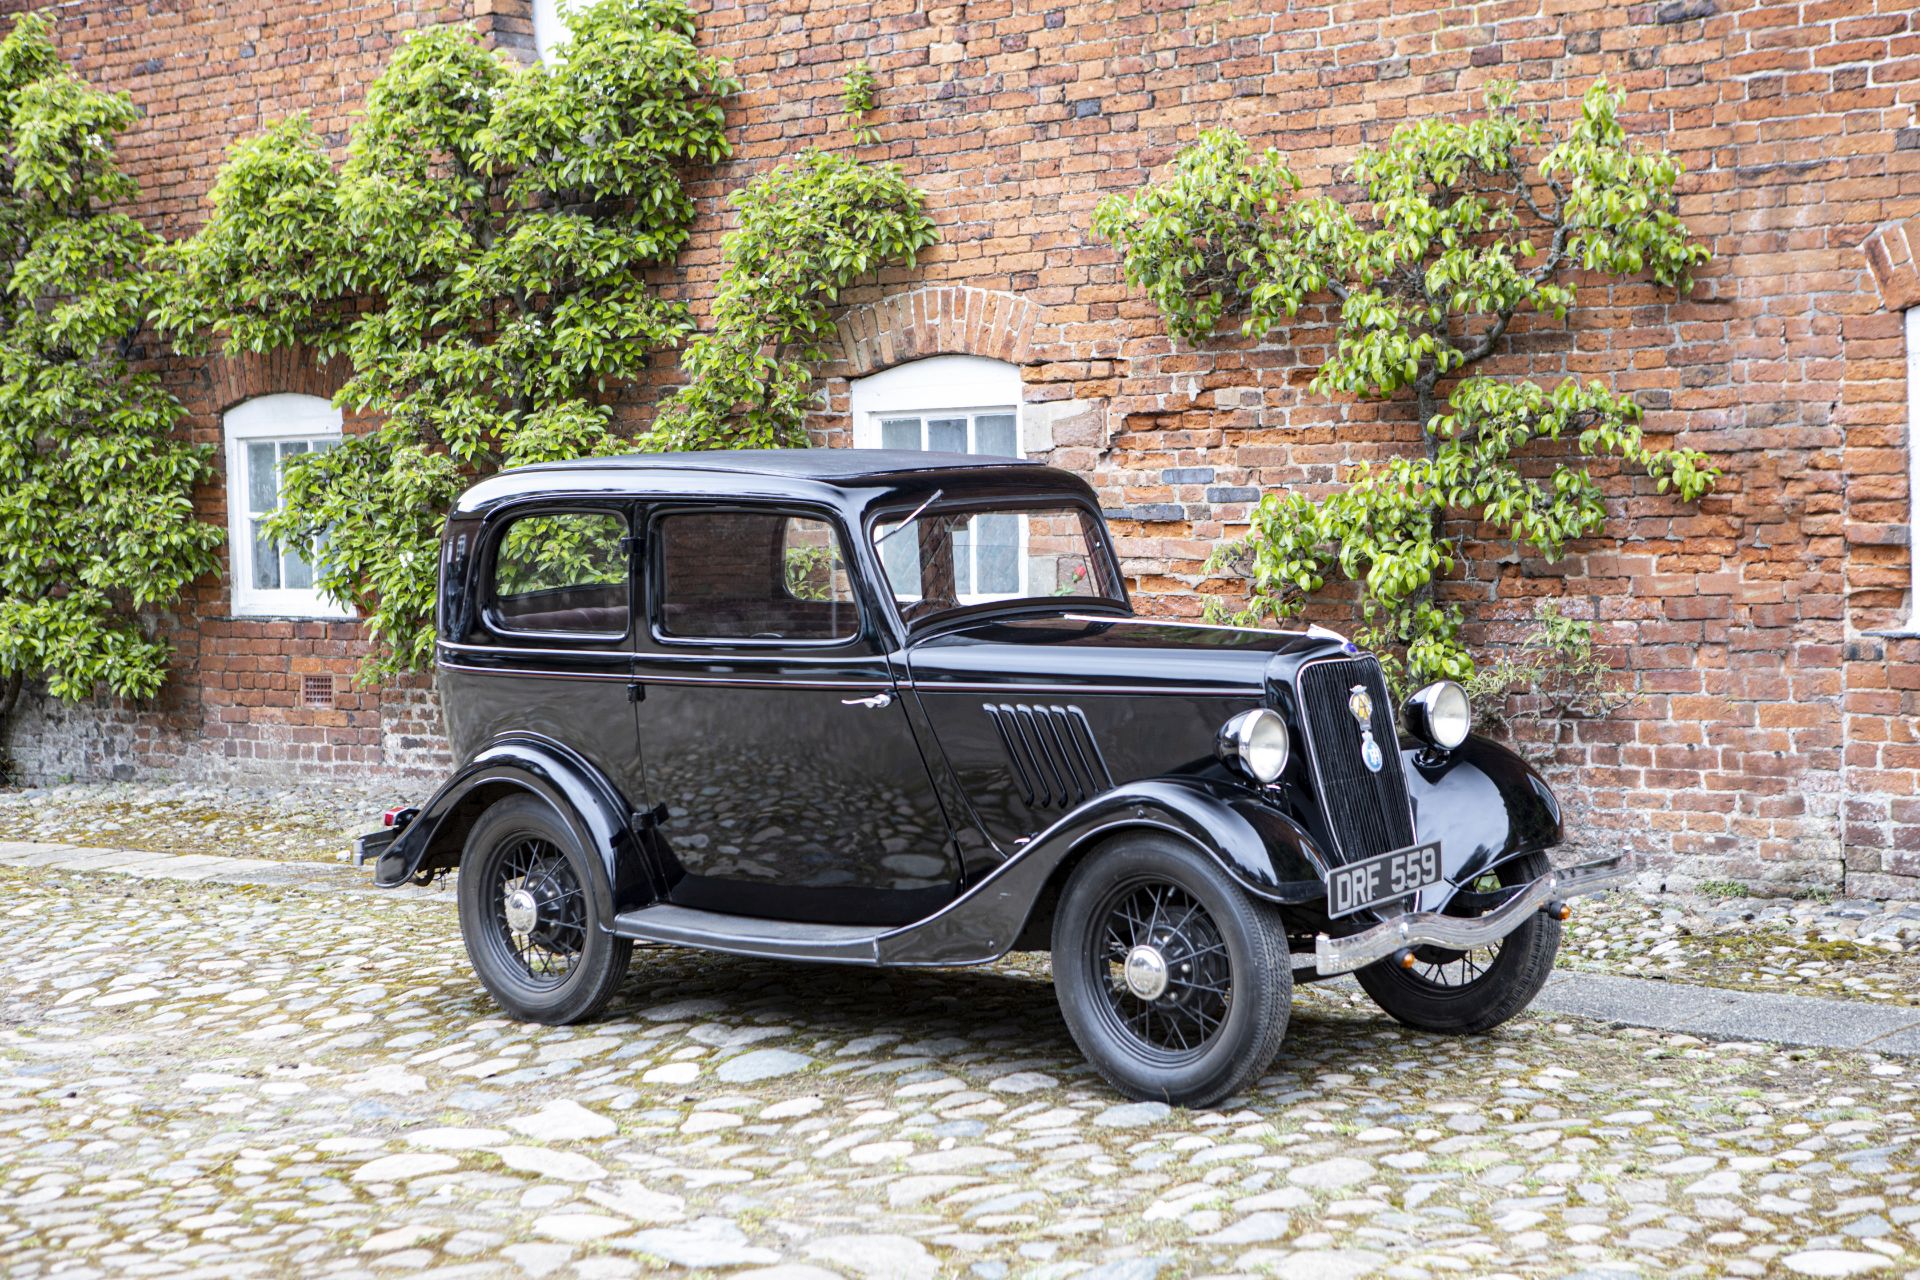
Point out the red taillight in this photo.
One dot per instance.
(392, 816)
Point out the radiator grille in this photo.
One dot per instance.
(1367, 812)
(1056, 762)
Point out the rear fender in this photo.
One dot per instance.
(579, 795)
(1264, 851)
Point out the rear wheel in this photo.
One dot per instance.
(1173, 981)
(528, 917)
(1466, 992)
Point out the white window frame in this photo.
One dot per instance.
(936, 385)
(943, 386)
(1913, 463)
(550, 27)
(280, 417)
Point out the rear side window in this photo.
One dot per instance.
(749, 575)
(563, 571)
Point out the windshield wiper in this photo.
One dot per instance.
(937, 495)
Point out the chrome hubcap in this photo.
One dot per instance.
(523, 911)
(1146, 973)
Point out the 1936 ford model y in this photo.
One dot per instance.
(893, 708)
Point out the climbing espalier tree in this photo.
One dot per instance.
(479, 259)
(96, 496)
(1468, 224)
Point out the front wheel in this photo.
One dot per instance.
(1467, 992)
(1173, 981)
(528, 918)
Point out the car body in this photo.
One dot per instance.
(894, 708)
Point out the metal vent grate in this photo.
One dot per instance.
(1367, 812)
(316, 691)
(1056, 762)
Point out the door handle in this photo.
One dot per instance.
(876, 701)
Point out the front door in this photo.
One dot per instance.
(774, 739)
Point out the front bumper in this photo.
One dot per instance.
(1457, 933)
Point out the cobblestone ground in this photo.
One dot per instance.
(304, 822)
(1854, 950)
(234, 1080)
(1844, 949)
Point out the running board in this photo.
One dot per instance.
(752, 936)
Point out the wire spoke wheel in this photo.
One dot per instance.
(1160, 962)
(1466, 992)
(1448, 968)
(538, 910)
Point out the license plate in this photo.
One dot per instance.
(1359, 885)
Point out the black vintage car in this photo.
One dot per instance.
(893, 708)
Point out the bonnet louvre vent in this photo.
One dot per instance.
(1056, 763)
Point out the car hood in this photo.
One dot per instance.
(1068, 652)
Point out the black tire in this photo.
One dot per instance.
(1189, 1045)
(566, 967)
(1455, 993)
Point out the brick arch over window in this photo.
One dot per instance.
(1893, 256)
(939, 320)
(239, 378)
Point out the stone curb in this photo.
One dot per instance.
(1714, 1013)
(1718, 1013)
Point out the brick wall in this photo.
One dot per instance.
(1776, 736)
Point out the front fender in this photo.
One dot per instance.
(1265, 852)
(577, 792)
(1484, 804)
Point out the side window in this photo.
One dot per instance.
(563, 571)
(742, 575)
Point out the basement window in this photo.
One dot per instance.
(262, 435)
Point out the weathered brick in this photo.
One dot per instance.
(1746, 623)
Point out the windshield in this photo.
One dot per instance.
(950, 557)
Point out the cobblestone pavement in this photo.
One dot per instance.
(1851, 949)
(1846, 949)
(235, 1080)
(307, 821)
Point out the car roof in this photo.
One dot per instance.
(853, 477)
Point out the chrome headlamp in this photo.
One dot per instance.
(1256, 743)
(1439, 715)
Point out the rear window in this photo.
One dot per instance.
(751, 575)
(563, 572)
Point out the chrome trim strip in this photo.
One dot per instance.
(643, 676)
(639, 677)
(1137, 621)
(459, 646)
(1011, 690)
(1431, 928)
(534, 672)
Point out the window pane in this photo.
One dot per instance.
(263, 478)
(993, 433)
(288, 448)
(751, 575)
(813, 568)
(295, 572)
(563, 572)
(947, 435)
(998, 557)
(963, 558)
(266, 560)
(900, 433)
